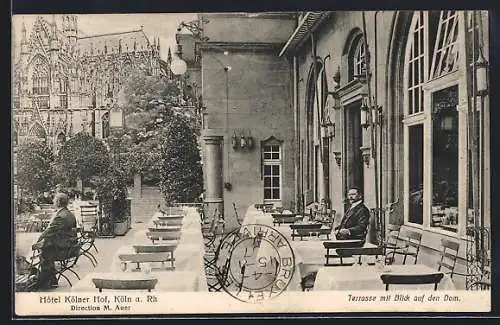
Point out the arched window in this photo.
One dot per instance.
(317, 92)
(40, 83)
(40, 78)
(431, 120)
(105, 125)
(357, 58)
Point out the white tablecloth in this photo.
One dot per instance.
(367, 277)
(188, 257)
(179, 281)
(254, 216)
(24, 241)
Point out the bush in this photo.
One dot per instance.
(82, 156)
(181, 173)
(34, 166)
(112, 193)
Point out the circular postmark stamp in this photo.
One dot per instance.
(254, 263)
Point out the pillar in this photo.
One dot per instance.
(213, 176)
(79, 185)
(137, 186)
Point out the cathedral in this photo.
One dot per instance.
(65, 83)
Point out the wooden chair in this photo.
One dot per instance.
(124, 284)
(140, 258)
(448, 256)
(89, 215)
(304, 230)
(236, 216)
(339, 244)
(412, 246)
(392, 243)
(279, 218)
(359, 251)
(416, 279)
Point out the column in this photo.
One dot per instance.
(137, 186)
(213, 176)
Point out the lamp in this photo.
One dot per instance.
(481, 75)
(365, 114)
(234, 142)
(243, 142)
(178, 65)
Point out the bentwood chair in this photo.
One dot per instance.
(414, 279)
(448, 256)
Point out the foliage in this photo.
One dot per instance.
(111, 189)
(82, 156)
(181, 173)
(34, 166)
(149, 103)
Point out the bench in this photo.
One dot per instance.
(336, 244)
(279, 218)
(141, 258)
(163, 235)
(113, 283)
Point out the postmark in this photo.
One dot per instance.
(255, 263)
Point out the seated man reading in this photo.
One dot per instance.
(355, 222)
(56, 241)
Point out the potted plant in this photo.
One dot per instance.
(112, 196)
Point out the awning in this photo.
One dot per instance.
(309, 23)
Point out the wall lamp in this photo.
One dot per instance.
(242, 141)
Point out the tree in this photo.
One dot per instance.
(181, 173)
(82, 156)
(34, 166)
(149, 103)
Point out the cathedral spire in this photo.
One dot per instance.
(169, 56)
(24, 39)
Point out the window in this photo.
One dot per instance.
(105, 125)
(272, 172)
(358, 61)
(431, 121)
(40, 79)
(357, 58)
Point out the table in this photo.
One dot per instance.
(254, 216)
(24, 241)
(367, 277)
(182, 281)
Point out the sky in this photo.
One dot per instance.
(155, 25)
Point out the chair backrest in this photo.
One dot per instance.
(351, 243)
(449, 255)
(414, 240)
(412, 279)
(393, 232)
(351, 251)
(125, 284)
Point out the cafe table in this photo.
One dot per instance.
(367, 277)
(179, 281)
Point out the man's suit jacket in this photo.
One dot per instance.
(356, 220)
(60, 234)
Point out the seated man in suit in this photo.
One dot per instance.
(57, 241)
(355, 222)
